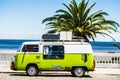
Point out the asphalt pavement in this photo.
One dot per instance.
(6, 69)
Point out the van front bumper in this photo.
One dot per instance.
(12, 65)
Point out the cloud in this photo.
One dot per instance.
(20, 35)
(115, 35)
(29, 34)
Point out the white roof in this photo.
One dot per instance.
(34, 42)
(57, 43)
(70, 47)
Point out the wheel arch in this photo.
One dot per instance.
(32, 64)
(84, 67)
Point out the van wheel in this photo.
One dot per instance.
(78, 72)
(32, 70)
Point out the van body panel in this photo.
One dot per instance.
(69, 60)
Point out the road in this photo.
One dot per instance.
(56, 76)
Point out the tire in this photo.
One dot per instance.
(32, 70)
(78, 72)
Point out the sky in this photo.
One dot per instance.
(22, 19)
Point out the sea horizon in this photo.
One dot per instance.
(12, 45)
(40, 39)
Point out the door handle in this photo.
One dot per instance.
(37, 57)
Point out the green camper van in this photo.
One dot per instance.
(53, 55)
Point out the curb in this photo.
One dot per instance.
(12, 72)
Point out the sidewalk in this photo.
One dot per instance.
(6, 69)
(114, 71)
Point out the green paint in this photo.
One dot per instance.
(69, 61)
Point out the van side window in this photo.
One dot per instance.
(30, 48)
(53, 52)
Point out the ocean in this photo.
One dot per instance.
(8, 45)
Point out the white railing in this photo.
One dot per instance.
(6, 58)
(101, 59)
(107, 60)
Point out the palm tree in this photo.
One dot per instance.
(80, 22)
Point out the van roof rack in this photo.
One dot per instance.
(62, 37)
(74, 39)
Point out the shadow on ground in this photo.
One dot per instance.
(48, 75)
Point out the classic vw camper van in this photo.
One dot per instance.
(54, 55)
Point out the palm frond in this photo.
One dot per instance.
(88, 10)
(78, 19)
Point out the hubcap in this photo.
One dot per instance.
(79, 71)
(32, 71)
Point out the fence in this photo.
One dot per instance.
(6, 58)
(107, 60)
(102, 60)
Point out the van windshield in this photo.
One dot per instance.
(30, 48)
